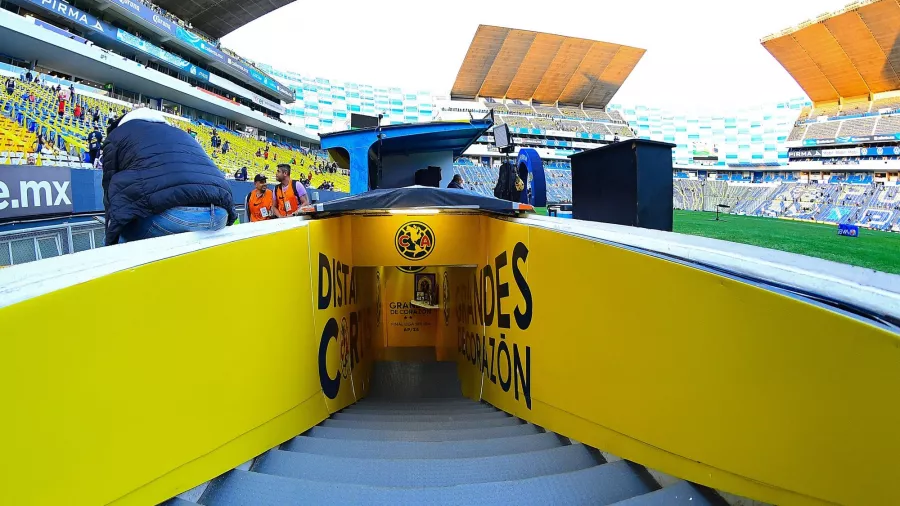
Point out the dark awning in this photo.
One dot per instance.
(418, 197)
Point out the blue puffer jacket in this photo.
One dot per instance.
(149, 167)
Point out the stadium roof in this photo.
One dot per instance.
(848, 53)
(545, 68)
(218, 18)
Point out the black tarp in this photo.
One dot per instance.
(420, 197)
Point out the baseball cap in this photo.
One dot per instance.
(259, 179)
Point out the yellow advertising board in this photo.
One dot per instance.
(603, 344)
(416, 240)
(340, 322)
(147, 382)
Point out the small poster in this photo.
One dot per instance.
(426, 289)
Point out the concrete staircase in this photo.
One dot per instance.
(436, 449)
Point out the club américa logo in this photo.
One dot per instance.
(411, 269)
(414, 240)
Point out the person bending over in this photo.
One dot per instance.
(158, 181)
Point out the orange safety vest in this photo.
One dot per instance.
(256, 204)
(290, 196)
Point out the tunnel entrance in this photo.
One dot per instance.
(414, 342)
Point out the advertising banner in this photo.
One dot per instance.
(26, 190)
(147, 14)
(845, 230)
(852, 140)
(342, 315)
(74, 15)
(228, 85)
(806, 153)
(841, 152)
(882, 151)
(162, 55)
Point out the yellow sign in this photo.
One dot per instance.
(444, 240)
(596, 342)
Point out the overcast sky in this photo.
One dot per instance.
(701, 54)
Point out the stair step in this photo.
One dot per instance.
(449, 417)
(433, 411)
(422, 450)
(420, 401)
(422, 435)
(424, 472)
(178, 502)
(438, 406)
(604, 484)
(678, 494)
(413, 425)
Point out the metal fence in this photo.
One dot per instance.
(28, 245)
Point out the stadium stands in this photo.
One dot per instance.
(520, 108)
(798, 133)
(827, 130)
(853, 200)
(888, 103)
(482, 180)
(887, 125)
(34, 109)
(572, 112)
(855, 106)
(597, 114)
(516, 121)
(857, 127)
(831, 109)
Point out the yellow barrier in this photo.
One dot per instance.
(133, 387)
(593, 343)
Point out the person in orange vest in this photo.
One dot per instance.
(290, 195)
(259, 202)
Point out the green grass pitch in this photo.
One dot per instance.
(874, 250)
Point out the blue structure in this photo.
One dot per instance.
(529, 160)
(404, 149)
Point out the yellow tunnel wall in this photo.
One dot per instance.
(133, 387)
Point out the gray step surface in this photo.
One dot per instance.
(416, 440)
(424, 472)
(422, 435)
(422, 450)
(605, 484)
(414, 380)
(178, 502)
(447, 417)
(414, 425)
(678, 494)
(470, 407)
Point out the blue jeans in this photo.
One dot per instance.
(175, 221)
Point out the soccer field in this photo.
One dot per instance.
(874, 250)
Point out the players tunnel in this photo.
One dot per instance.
(427, 352)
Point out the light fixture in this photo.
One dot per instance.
(414, 211)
